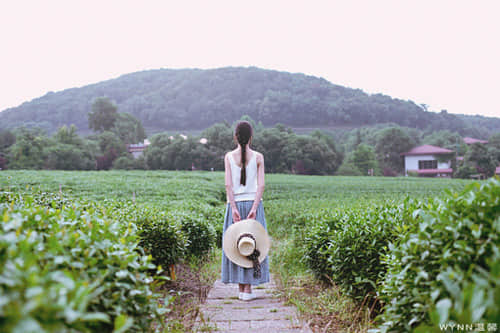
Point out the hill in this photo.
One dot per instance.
(194, 99)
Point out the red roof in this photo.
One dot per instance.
(427, 150)
(470, 141)
(432, 171)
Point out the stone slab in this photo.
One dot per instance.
(224, 312)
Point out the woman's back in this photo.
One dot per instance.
(244, 202)
(247, 191)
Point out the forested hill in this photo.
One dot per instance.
(190, 99)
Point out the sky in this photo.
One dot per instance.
(445, 54)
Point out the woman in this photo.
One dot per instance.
(244, 178)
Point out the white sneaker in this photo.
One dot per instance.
(240, 296)
(248, 296)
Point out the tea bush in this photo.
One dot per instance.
(160, 234)
(346, 247)
(472, 301)
(212, 217)
(71, 269)
(200, 232)
(317, 242)
(447, 267)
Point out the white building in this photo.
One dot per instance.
(137, 149)
(424, 161)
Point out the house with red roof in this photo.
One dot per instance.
(470, 141)
(427, 161)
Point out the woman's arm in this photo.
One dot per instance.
(229, 189)
(260, 186)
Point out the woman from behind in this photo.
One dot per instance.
(244, 179)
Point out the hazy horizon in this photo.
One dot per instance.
(443, 54)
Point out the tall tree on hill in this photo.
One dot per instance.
(103, 114)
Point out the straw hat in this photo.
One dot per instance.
(242, 238)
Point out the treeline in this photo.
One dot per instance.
(379, 148)
(193, 99)
(284, 151)
(33, 148)
(371, 150)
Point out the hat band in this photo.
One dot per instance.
(254, 256)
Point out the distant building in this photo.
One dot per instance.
(423, 160)
(137, 149)
(470, 141)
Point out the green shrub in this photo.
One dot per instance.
(214, 215)
(129, 163)
(160, 233)
(474, 300)
(317, 242)
(347, 247)
(171, 235)
(71, 269)
(348, 169)
(412, 173)
(200, 232)
(447, 266)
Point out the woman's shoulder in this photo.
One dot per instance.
(229, 154)
(258, 156)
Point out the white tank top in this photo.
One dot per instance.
(248, 191)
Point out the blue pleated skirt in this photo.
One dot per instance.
(232, 273)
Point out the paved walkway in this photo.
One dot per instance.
(224, 312)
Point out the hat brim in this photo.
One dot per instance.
(230, 246)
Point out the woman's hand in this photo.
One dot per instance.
(236, 216)
(252, 214)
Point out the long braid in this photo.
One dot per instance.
(243, 134)
(243, 176)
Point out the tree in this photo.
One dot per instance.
(364, 158)
(103, 114)
(109, 140)
(128, 128)
(63, 156)
(477, 156)
(111, 147)
(391, 142)
(7, 139)
(494, 148)
(68, 136)
(448, 140)
(347, 168)
(30, 149)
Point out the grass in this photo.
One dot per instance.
(323, 306)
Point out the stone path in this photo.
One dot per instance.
(224, 312)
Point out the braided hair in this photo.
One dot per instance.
(243, 134)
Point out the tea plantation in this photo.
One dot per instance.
(86, 251)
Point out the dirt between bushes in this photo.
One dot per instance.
(189, 291)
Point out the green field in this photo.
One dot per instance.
(178, 215)
(285, 195)
(171, 187)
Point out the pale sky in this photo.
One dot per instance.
(445, 54)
